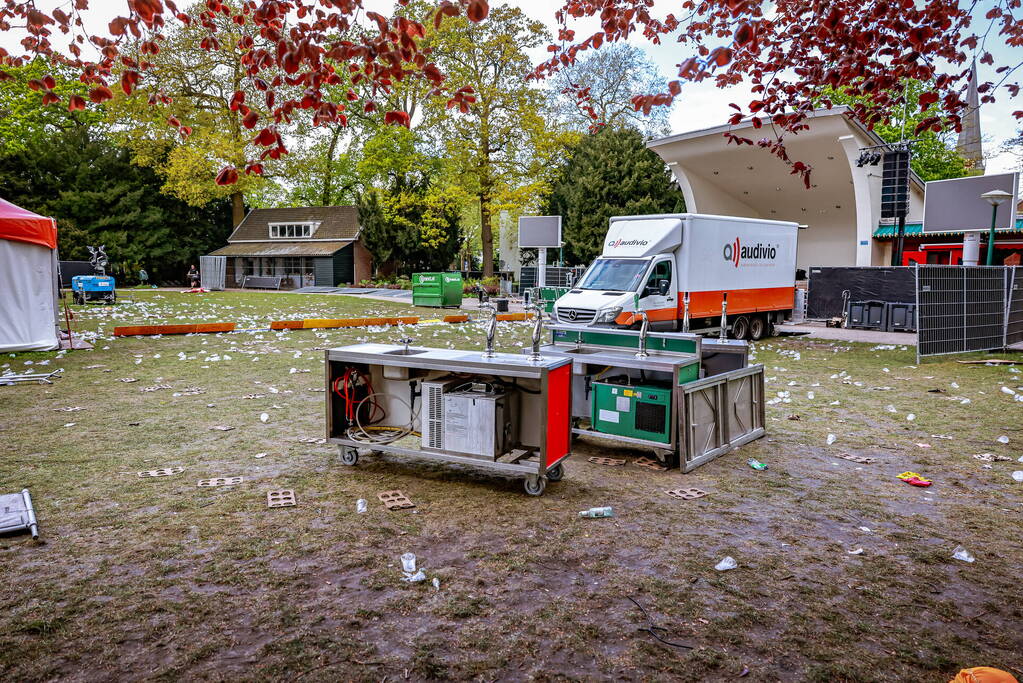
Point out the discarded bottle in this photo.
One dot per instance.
(436, 583)
(408, 563)
(360, 505)
(597, 512)
(756, 464)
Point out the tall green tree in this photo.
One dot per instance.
(23, 119)
(99, 196)
(409, 214)
(609, 173)
(502, 143)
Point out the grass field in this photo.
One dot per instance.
(160, 579)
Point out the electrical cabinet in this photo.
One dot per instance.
(635, 411)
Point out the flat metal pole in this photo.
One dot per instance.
(724, 316)
(899, 242)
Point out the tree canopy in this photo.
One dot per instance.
(934, 152)
(609, 173)
(98, 196)
(597, 90)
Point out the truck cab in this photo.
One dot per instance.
(612, 289)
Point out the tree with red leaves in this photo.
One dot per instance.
(302, 47)
(793, 53)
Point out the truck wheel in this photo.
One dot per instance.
(758, 327)
(740, 327)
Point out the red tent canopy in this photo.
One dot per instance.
(19, 225)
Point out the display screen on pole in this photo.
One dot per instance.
(955, 205)
(539, 231)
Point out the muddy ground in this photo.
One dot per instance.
(161, 579)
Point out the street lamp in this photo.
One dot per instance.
(994, 198)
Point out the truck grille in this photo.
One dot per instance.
(576, 315)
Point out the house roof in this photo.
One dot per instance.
(336, 222)
(282, 248)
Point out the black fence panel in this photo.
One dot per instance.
(824, 291)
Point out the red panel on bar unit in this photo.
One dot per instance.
(559, 409)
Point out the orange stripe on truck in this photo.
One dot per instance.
(708, 304)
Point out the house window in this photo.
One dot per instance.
(292, 230)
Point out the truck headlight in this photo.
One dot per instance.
(607, 315)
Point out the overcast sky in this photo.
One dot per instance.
(700, 105)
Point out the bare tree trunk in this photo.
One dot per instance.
(486, 233)
(237, 208)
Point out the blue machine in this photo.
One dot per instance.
(98, 287)
(86, 288)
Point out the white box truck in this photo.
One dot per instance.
(651, 263)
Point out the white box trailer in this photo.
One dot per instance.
(653, 263)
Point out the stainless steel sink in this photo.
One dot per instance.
(406, 352)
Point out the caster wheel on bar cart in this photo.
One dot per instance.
(349, 455)
(556, 473)
(535, 485)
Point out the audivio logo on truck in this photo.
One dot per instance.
(627, 243)
(757, 254)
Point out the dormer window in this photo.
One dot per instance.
(292, 230)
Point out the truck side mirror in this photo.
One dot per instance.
(663, 286)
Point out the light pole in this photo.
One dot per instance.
(994, 198)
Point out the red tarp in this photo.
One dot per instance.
(19, 225)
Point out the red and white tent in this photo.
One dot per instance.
(28, 280)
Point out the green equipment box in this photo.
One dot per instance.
(635, 411)
(442, 290)
(548, 295)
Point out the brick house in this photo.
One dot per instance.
(305, 246)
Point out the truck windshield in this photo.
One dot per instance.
(614, 274)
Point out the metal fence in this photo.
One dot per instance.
(555, 277)
(967, 308)
(1014, 307)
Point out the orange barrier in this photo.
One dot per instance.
(456, 318)
(139, 330)
(320, 323)
(511, 316)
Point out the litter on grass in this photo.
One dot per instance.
(163, 472)
(914, 479)
(961, 553)
(594, 513)
(728, 562)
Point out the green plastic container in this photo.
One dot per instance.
(548, 295)
(639, 412)
(440, 290)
